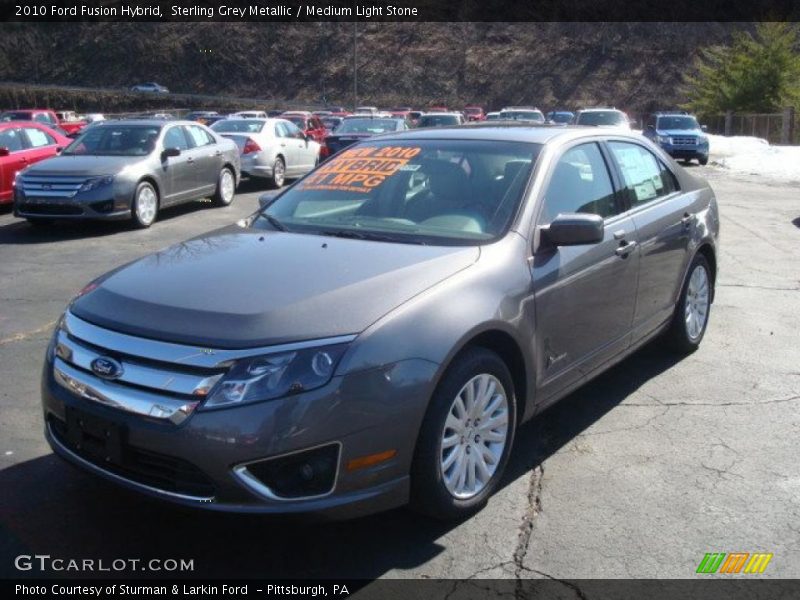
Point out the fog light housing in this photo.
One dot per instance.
(300, 475)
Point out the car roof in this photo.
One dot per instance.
(145, 122)
(441, 114)
(509, 132)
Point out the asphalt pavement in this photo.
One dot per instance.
(638, 474)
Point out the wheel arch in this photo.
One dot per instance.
(707, 251)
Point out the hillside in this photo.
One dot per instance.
(636, 66)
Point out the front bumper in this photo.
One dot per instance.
(110, 204)
(363, 413)
(686, 151)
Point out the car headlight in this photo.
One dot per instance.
(96, 182)
(663, 139)
(702, 139)
(275, 375)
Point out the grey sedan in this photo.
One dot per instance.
(129, 169)
(388, 322)
(272, 149)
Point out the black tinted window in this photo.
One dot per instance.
(580, 183)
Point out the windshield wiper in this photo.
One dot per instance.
(274, 221)
(367, 235)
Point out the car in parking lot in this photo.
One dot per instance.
(311, 126)
(248, 114)
(474, 113)
(331, 122)
(24, 143)
(522, 113)
(679, 134)
(603, 117)
(441, 119)
(129, 170)
(375, 334)
(274, 149)
(150, 87)
(560, 117)
(356, 128)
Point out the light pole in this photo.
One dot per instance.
(355, 65)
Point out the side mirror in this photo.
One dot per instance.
(265, 199)
(4, 151)
(704, 127)
(59, 149)
(170, 153)
(574, 230)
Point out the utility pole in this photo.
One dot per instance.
(355, 64)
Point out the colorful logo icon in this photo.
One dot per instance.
(734, 562)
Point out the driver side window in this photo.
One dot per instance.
(175, 138)
(580, 183)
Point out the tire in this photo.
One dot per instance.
(703, 161)
(688, 326)
(144, 209)
(434, 484)
(278, 173)
(226, 188)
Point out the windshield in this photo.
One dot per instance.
(367, 126)
(601, 117)
(438, 120)
(15, 116)
(239, 126)
(677, 123)
(523, 115)
(561, 117)
(115, 140)
(413, 191)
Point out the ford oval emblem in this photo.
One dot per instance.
(107, 368)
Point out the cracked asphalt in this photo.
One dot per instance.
(638, 474)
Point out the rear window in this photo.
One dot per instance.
(601, 117)
(373, 126)
(438, 120)
(239, 126)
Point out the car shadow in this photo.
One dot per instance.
(796, 222)
(46, 507)
(21, 232)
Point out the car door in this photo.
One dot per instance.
(665, 221)
(584, 295)
(178, 174)
(41, 145)
(12, 140)
(207, 157)
(303, 156)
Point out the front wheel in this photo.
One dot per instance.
(226, 188)
(703, 160)
(145, 205)
(694, 305)
(466, 437)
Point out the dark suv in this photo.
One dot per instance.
(679, 134)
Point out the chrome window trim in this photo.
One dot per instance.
(195, 356)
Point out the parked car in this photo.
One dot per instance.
(679, 134)
(400, 111)
(370, 339)
(274, 113)
(474, 113)
(44, 116)
(338, 111)
(603, 117)
(413, 117)
(273, 149)
(356, 128)
(493, 116)
(321, 113)
(438, 108)
(331, 122)
(522, 113)
(70, 122)
(248, 114)
(201, 116)
(560, 117)
(93, 117)
(366, 110)
(129, 170)
(150, 87)
(24, 143)
(310, 125)
(441, 119)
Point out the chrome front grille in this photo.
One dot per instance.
(684, 141)
(51, 186)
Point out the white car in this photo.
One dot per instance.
(603, 117)
(151, 87)
(273, 149)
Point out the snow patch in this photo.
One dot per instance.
(755, 156)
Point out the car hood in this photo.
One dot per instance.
(240, 288)
(679, 132)
(83, 166)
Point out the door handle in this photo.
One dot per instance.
(190, 160)
(218, 153)
(625, 248)
(687, 219)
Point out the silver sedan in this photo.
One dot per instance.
(273, 149)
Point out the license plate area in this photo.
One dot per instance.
(95, 436)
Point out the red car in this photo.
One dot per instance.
(45, 117)
(309, 124)
(474, 113)
(23, 143)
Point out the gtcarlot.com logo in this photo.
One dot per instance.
(45, 562)
(734, 562)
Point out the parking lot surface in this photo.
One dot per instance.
(638, 474)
